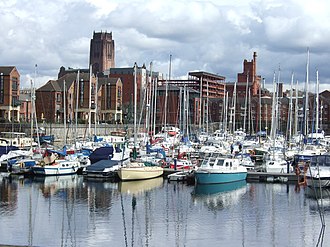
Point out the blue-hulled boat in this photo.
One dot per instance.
(215, 170)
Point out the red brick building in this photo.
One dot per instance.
(204, 91)
(82, 99)
(249, 75)
(9, 93)
(25, 105)
(127, 77)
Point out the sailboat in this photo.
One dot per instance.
(275, 160)
(138, 170)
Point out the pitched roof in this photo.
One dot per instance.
(70, 78)
(106, 80)
(6, 69)
(57, 85)
(50, 86)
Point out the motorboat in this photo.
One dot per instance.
(179, 176)
(102, 169)
(319, 171)
(220, 170)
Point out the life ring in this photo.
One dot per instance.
(252, 152)
(42, 163)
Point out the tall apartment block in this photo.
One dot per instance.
(102, 52)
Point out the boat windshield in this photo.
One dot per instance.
(220, 162)
(320, 160)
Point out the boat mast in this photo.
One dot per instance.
(260, 127)
(234, 98)
(90, 102)
(200, 102)
(135, 111)
(77, 105)
(34, 112)
(317, 102)
(290, 111)
(296, 111)
(187, 110)
(96, 95)
(245, 105)
(31, 114)
(277, 106)
(207, 107)
(166, 93)
(64, 110)
(306, 97)
(273, 128)
(149, 102)
(155, 106)
(226, 116)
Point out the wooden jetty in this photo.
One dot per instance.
(253, 176)
(257, 176)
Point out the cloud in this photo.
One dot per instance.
(213, 35)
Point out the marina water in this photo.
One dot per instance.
(72, 211)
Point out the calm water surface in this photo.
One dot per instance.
(70, 211)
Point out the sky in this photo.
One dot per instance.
(206, 35)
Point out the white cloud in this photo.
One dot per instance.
(213, 35)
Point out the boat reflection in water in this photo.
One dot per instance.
(219, 196)
(49, 185)
(139, 186)
(319, 198)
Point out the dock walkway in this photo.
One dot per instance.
(254, 176)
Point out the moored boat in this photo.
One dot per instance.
(22, 167)
(139, 171)
(179, 176)
(58, 167)
(103, 169)
(220, 170)
(319, 171)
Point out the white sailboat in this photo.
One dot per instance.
(138, 170)
(275, 161)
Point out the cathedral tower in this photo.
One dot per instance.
(102, 52)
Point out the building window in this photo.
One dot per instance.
(14, 84)
(15, 101)
(58, 97)
(2, 93)
(81, 93)
(119, 92)
(108, 100)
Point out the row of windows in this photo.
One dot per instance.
(2, 93)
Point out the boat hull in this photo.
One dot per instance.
(139, 173)
(66, 168)
(202, 177)
(178, 176)
(323, 182)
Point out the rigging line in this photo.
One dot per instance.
(69, 212)
(35, 211)
(62, 230)
(319, 207)
(321, 236)
(133, 210)
(123, 216)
